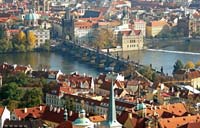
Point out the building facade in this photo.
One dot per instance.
(42, 36)
(140, 25)
(4, 114)
(155, 28)
(131, 40)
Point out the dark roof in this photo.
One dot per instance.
(36, 123)
(91, 14)
(191, 125)
(66, 124)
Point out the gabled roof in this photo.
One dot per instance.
(91, 14)
(177, 109)
(36, 112)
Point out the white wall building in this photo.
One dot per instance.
(42, 36)
(4, 114)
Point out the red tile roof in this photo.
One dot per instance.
(177, 109)
(36, 112)
(98, 118)
(1, 111)
(175, 122)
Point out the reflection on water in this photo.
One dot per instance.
(69, 64)
(56, 61)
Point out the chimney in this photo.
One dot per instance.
(58, 110)
(55, 109)
(151, 107)
(70, 113)
(25, 110)
(51, 108)
(40, 107)
(1, 81)
(130, 115)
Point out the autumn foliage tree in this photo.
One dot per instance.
(197, 65)
(31, 39)
(22, 37)
(104, 38)
(189, 65)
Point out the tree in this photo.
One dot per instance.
(103, 38)
(11, 92)
(147, 72)
(32, 98)
(22, 37)
(2, 32)
(197, 65)
(177, 66)
(31, 39)
(189, 65)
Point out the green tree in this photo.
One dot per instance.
(177, 66)
(189, 65)
(2, 32)
(32, 98)
(69, 103)
(11, 92)
(147, 72)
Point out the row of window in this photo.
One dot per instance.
(131, 46)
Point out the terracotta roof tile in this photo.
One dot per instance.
(177, 109)
(98, 118)
(1, 111)
(178, 121)
(24, 112)
(158, 23)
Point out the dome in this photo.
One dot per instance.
(141, 106)
(82, 122)
(31, 16)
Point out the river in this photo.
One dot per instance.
(160, 58)
(67, 64)
(56, 61)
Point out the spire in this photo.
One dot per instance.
(112, 109)
(111, 118)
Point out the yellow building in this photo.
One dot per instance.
(131, 40)
(155, 28)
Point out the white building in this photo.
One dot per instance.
(42, 36)
(83, 30)
(4, 114)
(140, 25)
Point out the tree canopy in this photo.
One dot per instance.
(189, 65)
(177, 66)
(103, 38)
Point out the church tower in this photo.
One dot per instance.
(68, 25)
(111, 121)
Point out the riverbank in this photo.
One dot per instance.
(185, 45)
